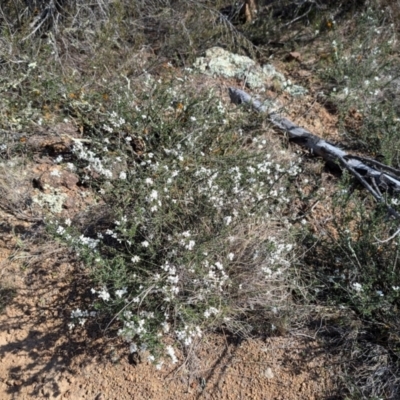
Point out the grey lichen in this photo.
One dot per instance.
(220, 62)
(52, 200)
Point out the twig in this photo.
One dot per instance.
(377, 163)
(145, 293)
(298, 18)
(346, 165)
(388, 239)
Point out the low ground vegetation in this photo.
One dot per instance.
(199, 222)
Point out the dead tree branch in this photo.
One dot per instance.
(373, 175)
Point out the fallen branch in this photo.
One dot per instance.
(373, 175)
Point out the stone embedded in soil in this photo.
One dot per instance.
(56, 177)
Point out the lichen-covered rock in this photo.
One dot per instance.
(53, 199)
(220, 62)
(56, 190)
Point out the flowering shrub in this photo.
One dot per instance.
(194, 239)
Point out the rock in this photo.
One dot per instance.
(50, 145)
(293, 55)
(218, 61)
(268, 373)
(69, 203)
(55, 177)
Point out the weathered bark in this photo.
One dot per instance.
(374, 176)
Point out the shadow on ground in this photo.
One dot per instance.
(36, 344)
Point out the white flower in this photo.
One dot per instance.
(122, 175)
(211, 311)
(396, 288)
(60, 230)
(219, 265)
(227, 220)
(153, 195)
(149, 181)
(135, 259)
(231, 256)
(171, 353)
(165, 326)
(91, 243)
(357, 287)
(121, 292)
(103, 294)
(107, 128)
(78, 313)
(190, 245)
(145, 243)
(379, 293)
(159, 365)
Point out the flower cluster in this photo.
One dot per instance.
(115, 122)
(95, 163)
(80, 316)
